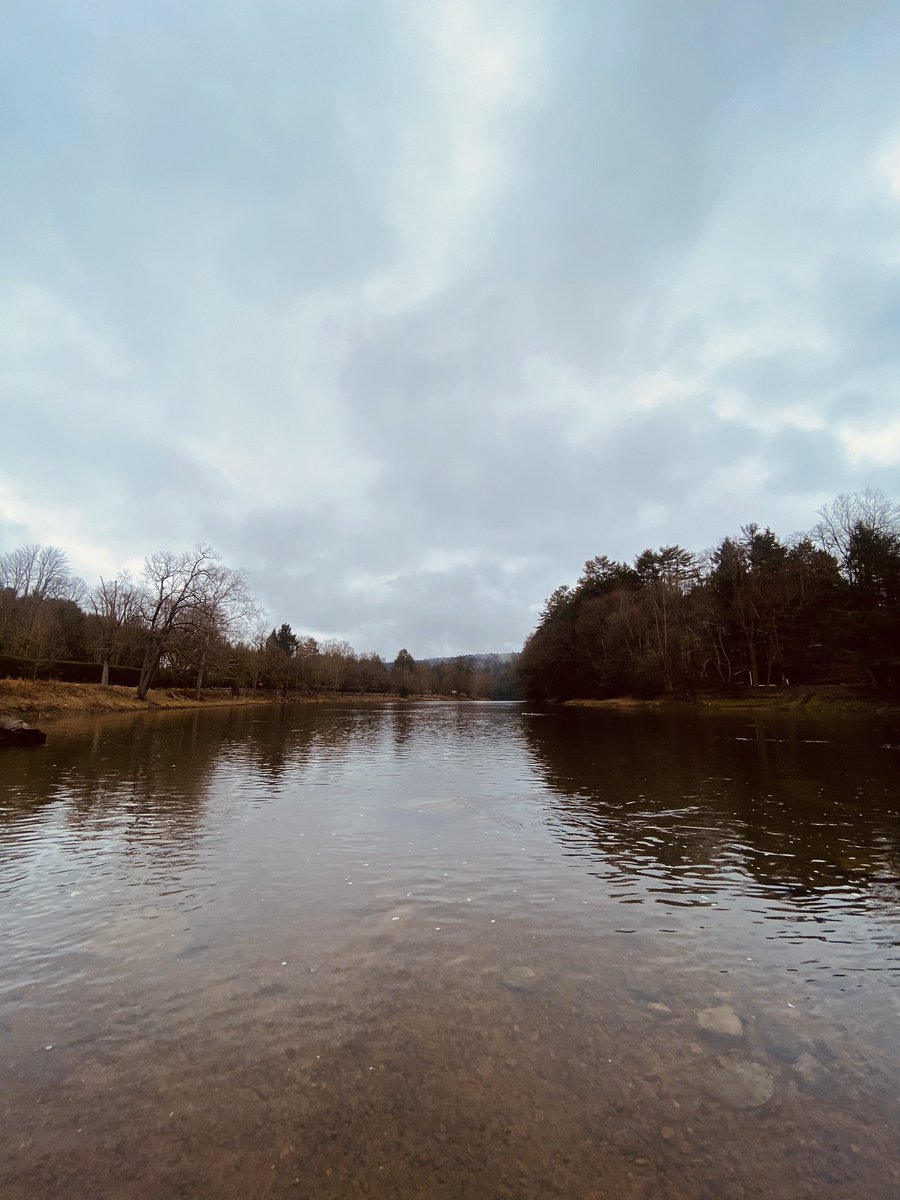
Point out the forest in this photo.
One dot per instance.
(190, 621)
(756, 610)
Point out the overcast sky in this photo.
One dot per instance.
(411, 307)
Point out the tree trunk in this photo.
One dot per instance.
(199, 682)
(754, 670)
(148, 671)
(104, 674)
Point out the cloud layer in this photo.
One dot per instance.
(410, 309)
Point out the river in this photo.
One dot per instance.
(451, 950)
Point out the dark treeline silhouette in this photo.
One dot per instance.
(756, 610)
(189, 621)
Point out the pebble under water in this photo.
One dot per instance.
(451, 950)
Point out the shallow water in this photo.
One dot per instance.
(451, 951)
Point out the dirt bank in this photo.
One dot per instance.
(38, 700)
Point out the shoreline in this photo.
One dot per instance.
(817, 700)
(46, 701)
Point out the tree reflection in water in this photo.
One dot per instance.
(803, 809)
(449, 950)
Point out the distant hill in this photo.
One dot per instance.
(479, 661)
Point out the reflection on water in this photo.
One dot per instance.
(692, 812)
(451, 951)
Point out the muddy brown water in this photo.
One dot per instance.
(451, 951)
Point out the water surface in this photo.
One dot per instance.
(451, 951)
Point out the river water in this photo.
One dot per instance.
(439, 950)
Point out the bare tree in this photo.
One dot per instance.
(115, 604)
(45, 639)
(372, 672)
(841, 520)
(306, 663)
(175, 588)
(224, 610)
(336, 661)
(249, 653)
(41, 572)
(31, 578)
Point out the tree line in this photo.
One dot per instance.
(189, 620)
(755, 610)
(300, 664)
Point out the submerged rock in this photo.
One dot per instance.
(812, 1076)
(784, 1044)
(738, 1082)
(16, 733)
(520, 979)
(722, 1021)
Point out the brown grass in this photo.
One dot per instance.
(36, 699)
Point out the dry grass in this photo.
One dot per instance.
(36, 699)
(33, 700)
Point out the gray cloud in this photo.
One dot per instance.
(411, 310)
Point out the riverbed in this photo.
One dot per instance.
(414, 950)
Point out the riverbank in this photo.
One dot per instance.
(41, 700)
(810, 699)
(34, 700)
